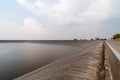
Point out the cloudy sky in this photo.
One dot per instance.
(59, 19)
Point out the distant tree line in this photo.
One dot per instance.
(116, 36)
(90, 39)
(100, 39)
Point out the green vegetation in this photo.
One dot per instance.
(116, 36)
(97, 38)
(100, 39)
(75, 39)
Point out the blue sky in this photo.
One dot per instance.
(58, 19)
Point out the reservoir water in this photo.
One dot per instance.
(17, 59)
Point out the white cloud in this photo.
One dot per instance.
(32, 27)
(71, 11)
(26, 4)
(86, 15)
(97, 11)
(8, 23)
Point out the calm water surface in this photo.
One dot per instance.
(17, 59)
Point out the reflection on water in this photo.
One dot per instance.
(17, 59)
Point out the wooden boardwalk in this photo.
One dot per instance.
(86, 64)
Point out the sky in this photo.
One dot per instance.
(59, 19)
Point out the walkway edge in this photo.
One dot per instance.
(113, 61)
(116, 53)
